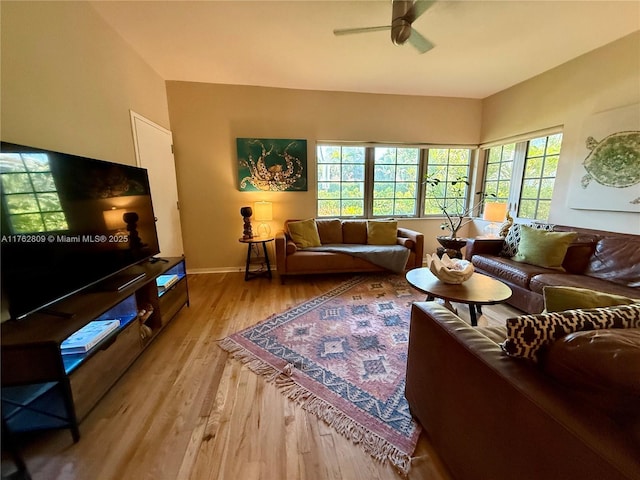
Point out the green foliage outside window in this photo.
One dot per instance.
(29, 194)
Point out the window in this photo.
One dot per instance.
(395, 181)
(367, 181)
(523, 175)
(451, 168)
(29, 194)
(341, 181)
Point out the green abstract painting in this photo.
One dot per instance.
(272, 165)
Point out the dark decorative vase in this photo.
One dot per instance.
(246, 213)
(451, 246)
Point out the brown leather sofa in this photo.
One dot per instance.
(490, 416)
(598, 260)
(291, 260)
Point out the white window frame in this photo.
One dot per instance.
(369, 156)
(517, 172)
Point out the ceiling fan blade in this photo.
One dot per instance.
(421, 6)
(350, 31)
(419, 42)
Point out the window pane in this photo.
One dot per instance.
(498, 170)
(405, 207)
(55, 221)
(27, 195)
(554, 143)
(22, 203)
(395, 176)
(540, 168)
(352, 208)
(11, 162)
(43, 182)
(341, 176)
(328, 208)
(447, 181)
(16, 183)
(28, 223)
(49, 202)
(383, 207)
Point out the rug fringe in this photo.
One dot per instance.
(374, 445)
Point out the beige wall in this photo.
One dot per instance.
(69, 81)
(206, 119)
(601, 80)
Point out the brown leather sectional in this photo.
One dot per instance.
(598, 260)
(493, 417)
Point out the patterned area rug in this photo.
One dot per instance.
(342, 356)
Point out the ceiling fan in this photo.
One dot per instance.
(404, 13)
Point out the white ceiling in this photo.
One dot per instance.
(482, 47)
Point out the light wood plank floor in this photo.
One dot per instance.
(186, 411)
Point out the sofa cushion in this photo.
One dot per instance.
(558, 298)
(597, 359)
(382, 232)
(354, 231)
(329, 230)
(512, 240)
(529, 335)
(578, 255)
(617, 260)
(304, 233)
(542, 279)
(542, 248)
(508, 270)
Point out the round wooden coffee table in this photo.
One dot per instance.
(477, 291)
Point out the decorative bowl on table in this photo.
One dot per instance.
(449, 270)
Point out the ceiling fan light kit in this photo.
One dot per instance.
(403, 14)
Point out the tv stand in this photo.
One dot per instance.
(120, 281)
(57, 313)
(157, 259)
(42, 388)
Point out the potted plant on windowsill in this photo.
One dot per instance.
(454, 208)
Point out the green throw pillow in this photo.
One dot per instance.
(304, 233)
(382, 232)
(542, 248)
(558, 299)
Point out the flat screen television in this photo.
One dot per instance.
(69, 223)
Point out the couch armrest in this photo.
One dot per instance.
(418, 244)
(281, 251)
(483, 246)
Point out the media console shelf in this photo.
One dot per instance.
(44, 388)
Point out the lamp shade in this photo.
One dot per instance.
(113, 218)
(263, 211)
(494, 212)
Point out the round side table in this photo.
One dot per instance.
(254, 257)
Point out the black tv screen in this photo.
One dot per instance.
(68, 223)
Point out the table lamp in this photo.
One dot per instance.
(263, 213)
(494, 212)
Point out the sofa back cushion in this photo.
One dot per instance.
(354, 231)
(329, 230)
(560, 297)
(528, 336)
(617, 259)
(543, 248)
(602, 364)
(382, 232)
(304, 233)
(578, 255)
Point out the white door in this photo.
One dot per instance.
(153, 145)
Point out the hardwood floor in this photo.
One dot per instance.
(184, 411)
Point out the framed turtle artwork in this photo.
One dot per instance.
(606, 175)
(271, 165)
